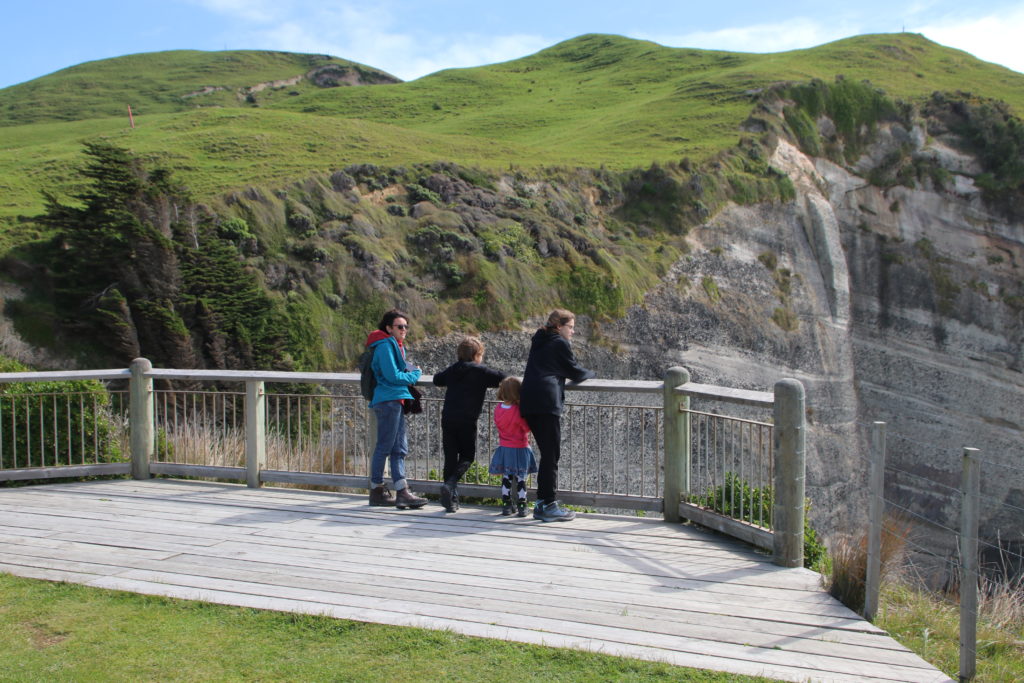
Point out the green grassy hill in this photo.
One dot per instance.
(609, 100)
(174, 81)
(593, 101)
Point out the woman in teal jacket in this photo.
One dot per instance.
(394, 377)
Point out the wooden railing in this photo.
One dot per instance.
(628, 445)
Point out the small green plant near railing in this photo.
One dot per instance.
(736, 498)
(79, 416)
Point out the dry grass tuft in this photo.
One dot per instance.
(847, 579)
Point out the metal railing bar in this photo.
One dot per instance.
(723, 417)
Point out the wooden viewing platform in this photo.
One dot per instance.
(627, 586)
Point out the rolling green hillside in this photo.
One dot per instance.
(607, 100)
(594, 101)
(175, 81)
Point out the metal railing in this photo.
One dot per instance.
(627, 445)
(732, 466)
(63, 424)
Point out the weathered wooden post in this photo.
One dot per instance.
(255, 432)
(140, 417)
(788, 511)
(876, 504)
(969, 507)
(677, 442)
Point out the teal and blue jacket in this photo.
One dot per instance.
(393, 380)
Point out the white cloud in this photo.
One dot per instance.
(776, 37)
(991, 38)
(249, 10)
(471, 50)
(369, 36)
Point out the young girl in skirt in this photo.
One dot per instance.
(513, 458)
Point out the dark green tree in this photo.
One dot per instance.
(142, 271)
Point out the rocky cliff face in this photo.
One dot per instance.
(900, 305)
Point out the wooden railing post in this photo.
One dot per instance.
(255, 432)
(140, 418)
(790, 438)
(969, 507)
(677, 442)
(876, 504)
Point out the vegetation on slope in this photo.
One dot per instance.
(134, 267)
(478, 244)
(594, 101)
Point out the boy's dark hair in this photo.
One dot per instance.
(469, 349)
(389, 319)
(508, 390)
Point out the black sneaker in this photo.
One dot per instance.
(506, 506)
(521, 508)
(552, 512)
(446, 498)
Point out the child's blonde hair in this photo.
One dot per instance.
(469, 349)
(508, 390)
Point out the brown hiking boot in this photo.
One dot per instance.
(404, 498)
(381, 496)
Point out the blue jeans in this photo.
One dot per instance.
(391, 444)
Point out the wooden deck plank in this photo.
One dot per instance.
(550, 622)
(629, 586)
(693, 569)
(633, 527)
(715, 582)
(414, 595)
(507, 531)
(628, 533)
(437, 587)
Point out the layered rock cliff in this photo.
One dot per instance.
(899, 305)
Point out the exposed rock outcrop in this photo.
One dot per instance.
(906, 314)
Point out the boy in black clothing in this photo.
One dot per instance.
(467, 381)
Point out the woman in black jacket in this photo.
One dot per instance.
(542, 400)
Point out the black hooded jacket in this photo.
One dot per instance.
(550, 363)
(467, 385)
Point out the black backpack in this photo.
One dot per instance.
(367, 380)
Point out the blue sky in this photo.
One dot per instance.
(411, 38)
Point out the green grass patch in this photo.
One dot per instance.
(929, 624)
(60, 631)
